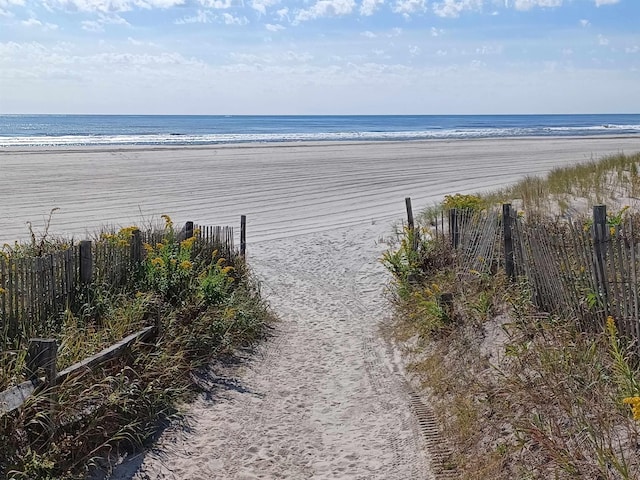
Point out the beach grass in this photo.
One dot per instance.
(519, 393)
(204, 309)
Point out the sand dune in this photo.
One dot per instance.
(324, 397)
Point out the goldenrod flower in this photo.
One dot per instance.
(157, 262)
(159, 246)
(227, 270)
(221, 261)
(2, 291)
(612, 230)
(188, 243)
(634, 402)
(167, 221)
(186, 265)
(611, 325)
(147, 248)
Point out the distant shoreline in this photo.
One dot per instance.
(288, 144)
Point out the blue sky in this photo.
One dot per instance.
(319, 56)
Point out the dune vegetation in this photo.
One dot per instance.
(519, 393)
(204, 306)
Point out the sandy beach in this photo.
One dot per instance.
(284, 189)
(325, 396)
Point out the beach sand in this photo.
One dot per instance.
(324, 397)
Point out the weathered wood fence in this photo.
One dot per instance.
(584, 269)
(33, 290)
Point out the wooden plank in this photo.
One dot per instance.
(107, 354)
(15, 397)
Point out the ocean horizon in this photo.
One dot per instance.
(77, 130)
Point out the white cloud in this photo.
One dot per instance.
(441, 53)
(436, 32)
(109, 6)
(453, 8)
(233, 20)
(368, 7)
(283, 14)
(102, 20)
(602, 40)
(489, 50)
(11, 3)
(409, 6)
(605, 2)
(202, 16)
(32, 22)
(220, 4)
(368, 34)
(414, 50)
(273, 28)
(585, 23)
(529, 4)
(567, 51)
(261, 5)
(634, 49)
(326, 8)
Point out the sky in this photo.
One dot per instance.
(319, 56)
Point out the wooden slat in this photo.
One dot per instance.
(106, 354)
(15, 397)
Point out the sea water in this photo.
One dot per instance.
(72, 130)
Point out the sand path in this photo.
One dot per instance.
(323, 397)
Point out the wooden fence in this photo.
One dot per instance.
(33, 290)
(585, 269)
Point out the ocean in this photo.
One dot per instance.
(76, 130)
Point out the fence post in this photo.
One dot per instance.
(43, 353)
(86, 262)
(600, 234)
(454, 227)
(411, 224)
(188, 230)
(243, 235)
(507, 224)
(136, 247)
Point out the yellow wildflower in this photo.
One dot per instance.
(123, 243)
(611, 325)
(634, 403)
(147, 248)
(167, 221)
(173, 262)
(196, 232)
(2, 291)
(612, 230)
(221, 261)
(188, 243)
(227, 270)
(159, 246)
(186, 265)
(157, 262)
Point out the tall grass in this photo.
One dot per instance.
(204, 307)
(519, 393)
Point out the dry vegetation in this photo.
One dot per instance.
(520, 393)
(204, 305)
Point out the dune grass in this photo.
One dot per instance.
(519, 393)
(204, 308)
